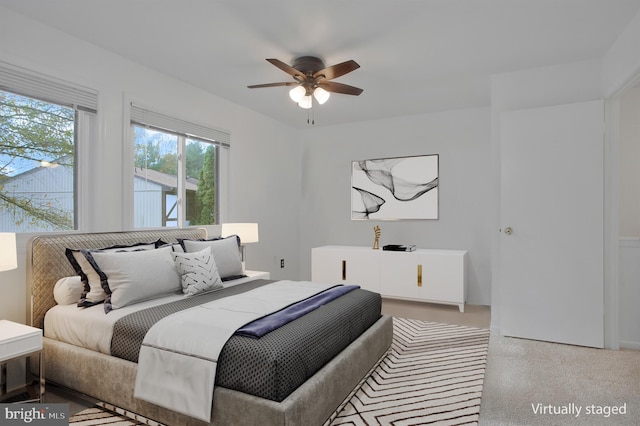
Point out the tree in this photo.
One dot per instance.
(33, 132)
(195, 158)
(205, 194)
(146, 155)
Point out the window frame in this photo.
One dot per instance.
(185, 130)
(84, 101)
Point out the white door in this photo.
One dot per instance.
(552, 188)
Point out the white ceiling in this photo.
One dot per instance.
(416, 56)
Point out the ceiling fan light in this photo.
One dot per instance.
(321, 95)
(297, 93)
(305, 102)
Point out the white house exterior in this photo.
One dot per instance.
(50, 189)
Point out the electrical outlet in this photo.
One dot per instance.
(281, 263)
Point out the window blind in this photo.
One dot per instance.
(25, 82)
(145, 117)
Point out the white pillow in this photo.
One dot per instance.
(68, 290)
(198, 271)
(93, 292)
(135, 276)
(226, 254)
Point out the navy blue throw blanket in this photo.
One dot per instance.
(264, 325)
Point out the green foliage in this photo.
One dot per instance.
(195, 159)
(34, 130)
(206, 195)
(155, 150)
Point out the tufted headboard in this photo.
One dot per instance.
(47, 263)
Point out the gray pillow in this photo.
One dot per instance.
(135, 276)
(226, 254)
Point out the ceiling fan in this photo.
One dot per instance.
(312, 78)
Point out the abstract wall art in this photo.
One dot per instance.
(395, 188)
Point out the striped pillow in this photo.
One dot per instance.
(198, 271)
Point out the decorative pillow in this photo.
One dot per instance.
(68, 290)
(198, 271)
(93, 292)
(135, 276)
(226, 254)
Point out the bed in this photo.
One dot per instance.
(83, 370)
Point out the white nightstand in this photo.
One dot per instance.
(19, 341)
(257, 275)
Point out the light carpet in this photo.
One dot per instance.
(432, 374)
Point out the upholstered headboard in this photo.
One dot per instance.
(47, 263)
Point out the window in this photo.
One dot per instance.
(176, 171)
(40, 123)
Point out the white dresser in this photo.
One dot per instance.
(436, 276)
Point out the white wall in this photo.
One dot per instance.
(462, 140)
(265, 155)
(621, 63)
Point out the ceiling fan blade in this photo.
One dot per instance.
(288, 83)
(332, 86)
(286, 68)
(337, 70)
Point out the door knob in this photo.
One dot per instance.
(508, 230)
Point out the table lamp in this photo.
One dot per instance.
(248, 233)
(8, 252)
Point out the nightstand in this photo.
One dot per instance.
(18, 341)
(258, 275)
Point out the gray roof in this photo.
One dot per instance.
(165, 179)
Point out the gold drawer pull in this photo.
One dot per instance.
(419, 275)
(344, 270)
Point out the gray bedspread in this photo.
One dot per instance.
(274, 365)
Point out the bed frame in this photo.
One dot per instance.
(112, 380)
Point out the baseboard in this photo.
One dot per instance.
(627, 344)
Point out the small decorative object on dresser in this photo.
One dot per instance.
(399, 247)
(19, 341)
(376, 241)
(435, 276)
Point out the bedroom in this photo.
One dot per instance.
(294, 191)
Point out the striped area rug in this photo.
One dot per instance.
(432, 375)
(107, 414)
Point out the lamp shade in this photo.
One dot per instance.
(321, 95)
(248, 232)
(297, 93)
(8, 251)
(305, 102)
